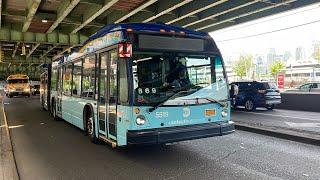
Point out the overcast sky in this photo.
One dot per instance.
(281, 40)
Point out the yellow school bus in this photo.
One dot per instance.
(18, 85)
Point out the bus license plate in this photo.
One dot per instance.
(210, 112)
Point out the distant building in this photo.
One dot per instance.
(260, 65)
(300, 54)
(271, 56)
(287, 55)
(302, 73)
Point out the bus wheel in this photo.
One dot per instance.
(54, 111)
(90, 127)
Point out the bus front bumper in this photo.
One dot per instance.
(180, 133)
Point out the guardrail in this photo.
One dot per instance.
(300, 101)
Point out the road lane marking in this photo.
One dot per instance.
(17, 126)
(275, 115)
(15, 172)
(291, 124)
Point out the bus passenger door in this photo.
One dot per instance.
(108, 94)
(112, 95)
(103, 57)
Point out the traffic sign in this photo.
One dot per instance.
(280, 81)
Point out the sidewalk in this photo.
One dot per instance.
(299, 126)
(8, 168)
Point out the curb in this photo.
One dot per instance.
(282, 135)
(8, 161)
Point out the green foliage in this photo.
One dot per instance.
(316, 51)
(242, 66)
(276, 67)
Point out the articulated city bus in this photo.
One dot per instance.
(141, 84)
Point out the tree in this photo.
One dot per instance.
(242, 66)
(316, 51)
(276, 67)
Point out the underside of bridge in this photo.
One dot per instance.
(34, 31)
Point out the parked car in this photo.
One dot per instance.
(308, 87)
(35, 89)
(255, 94)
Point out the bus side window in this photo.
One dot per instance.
(88, 77)
(60, 78)
(54, 79)
(123, 82)
(76, 78)
(67, 77)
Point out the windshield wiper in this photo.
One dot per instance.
(214, 101)
(171, 97)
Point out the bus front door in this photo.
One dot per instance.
(102, 93)
(112, 95)
(108, 94)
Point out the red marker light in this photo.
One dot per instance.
(125, 50)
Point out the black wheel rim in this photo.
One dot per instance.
(90, 126)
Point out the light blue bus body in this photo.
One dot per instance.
(72, 110)
(143, 84)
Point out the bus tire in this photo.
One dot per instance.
(89, 124)
(54, 111)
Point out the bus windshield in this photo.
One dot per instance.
(178, 79)
(13, 81)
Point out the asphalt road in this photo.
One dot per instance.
(48, 149)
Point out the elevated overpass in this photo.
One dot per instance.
(34, 32)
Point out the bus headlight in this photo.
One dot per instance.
(140, 120)
(26, 89)
(224, 113)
